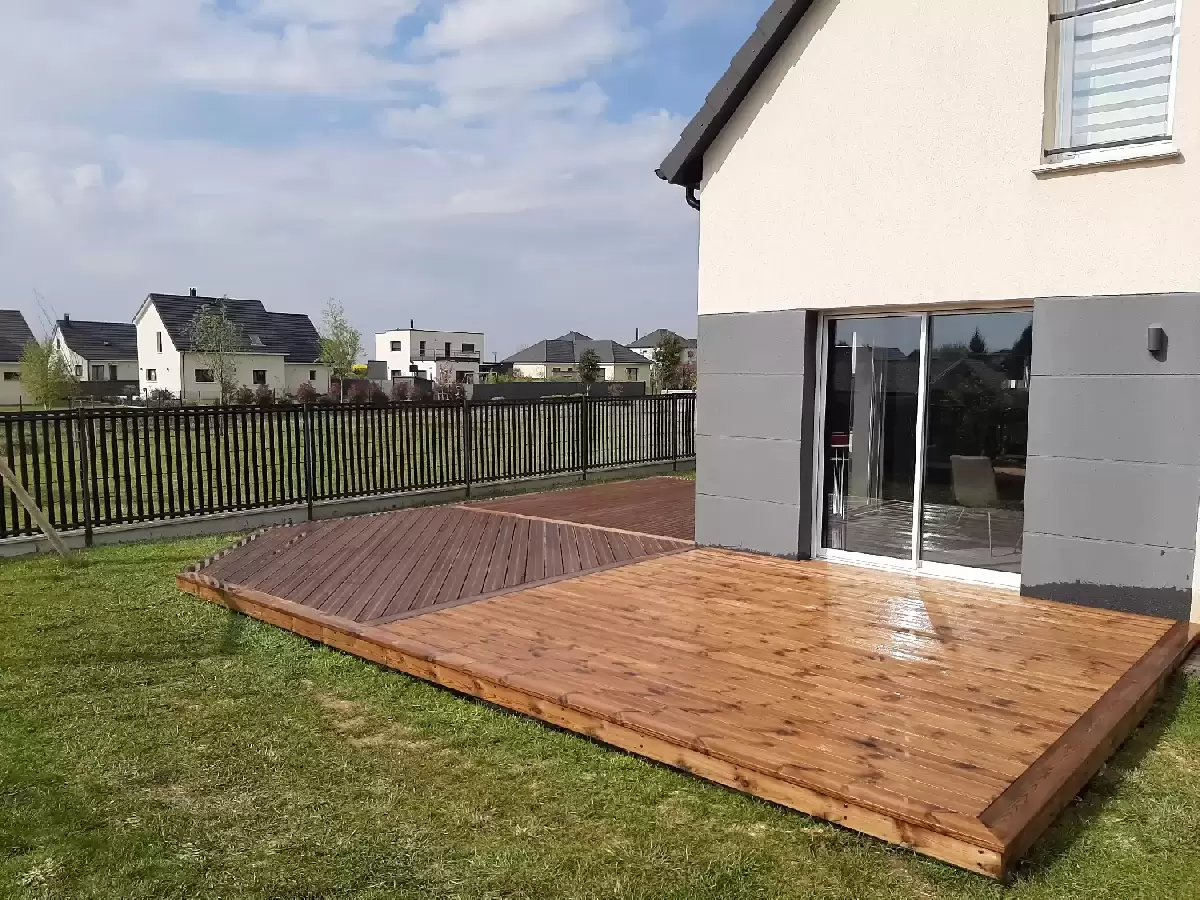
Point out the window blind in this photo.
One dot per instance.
(1115, 70)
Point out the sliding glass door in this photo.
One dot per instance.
(924, 434)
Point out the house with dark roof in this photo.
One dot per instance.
(280, 351)
(98, 351)
(946, 292)
(558, 360)
(14, 335)
(648, 343)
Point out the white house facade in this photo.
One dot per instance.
(98, 351)
(403, 349)
(281, 350)
(948, 293)
(559, 360)
(14, 335)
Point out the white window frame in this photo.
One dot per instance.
(914, 565)
(1060, 99)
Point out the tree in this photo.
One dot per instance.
(589, 367)
(447, 384)
(45, 374)
(216, 340)
(668, 362)
(978, 345)
(341, 344)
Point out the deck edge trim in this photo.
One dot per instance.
(1018, 821)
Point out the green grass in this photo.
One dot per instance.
(152, 745)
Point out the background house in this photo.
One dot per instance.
(281, 350)
(100, 352)
(559, 359)
(14, 335)
(647, 344)
(1022, 205)
(402, 349)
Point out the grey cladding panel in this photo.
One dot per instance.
(766, 343)
(770, 528)
(1113, 501)
(1132, 418)
(759, 406)
(1107, 335)
(1128, 577)
(749, 469)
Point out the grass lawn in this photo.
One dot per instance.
(152, 745)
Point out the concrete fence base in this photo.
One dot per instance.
(249, 520)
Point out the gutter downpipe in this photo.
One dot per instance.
(692, 200)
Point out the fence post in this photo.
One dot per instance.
(85, 480)
(468, 441)
(309, 476)
(585, 432)
(674, 432)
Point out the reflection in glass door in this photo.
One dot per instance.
(924, 438)
(871, 434)
(976, 438)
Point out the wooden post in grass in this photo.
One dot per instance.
(35, 512)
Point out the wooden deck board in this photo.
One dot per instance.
(955, 720)
(653, 506)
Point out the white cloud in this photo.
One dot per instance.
(505, 200)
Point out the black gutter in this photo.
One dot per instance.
(684, 165)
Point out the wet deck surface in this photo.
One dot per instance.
(952, 719)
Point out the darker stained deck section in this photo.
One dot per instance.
(662, 506)
(387, 567)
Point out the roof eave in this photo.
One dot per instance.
(684, 165)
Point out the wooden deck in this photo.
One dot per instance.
(661, 506)
(957, 721)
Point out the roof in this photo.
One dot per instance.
(14, 335)
(685, 164)
(99, 340)
(653, 339)
(574, 336)
(291, 335)
(571, 352)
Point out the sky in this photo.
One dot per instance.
(480, 165)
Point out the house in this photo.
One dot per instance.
(280, 350)
(559, 360)
(413, 352)
(99, 351)
(14, 335)
(645, 346)
(885, 189)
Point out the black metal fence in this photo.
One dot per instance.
(88, 468)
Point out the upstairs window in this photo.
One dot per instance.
(158, 341)
(12, 376)
(204, 376)
(255, 341)
(468, 348)
(1111, 75)
(397, 346)
(79, 371)
(260, 376)
(152, 374)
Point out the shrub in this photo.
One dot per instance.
(360, 392)
(326, 400)
(243, 396)
(379, 397)
(160, 397)
(399, 392)
(306, 393)
(264, 396)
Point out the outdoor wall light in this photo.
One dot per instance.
(1156, 339)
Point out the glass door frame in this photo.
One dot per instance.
(915, 564)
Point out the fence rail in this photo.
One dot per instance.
(88, 468)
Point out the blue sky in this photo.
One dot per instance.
(471, 164)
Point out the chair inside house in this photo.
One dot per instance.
(974, 479)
